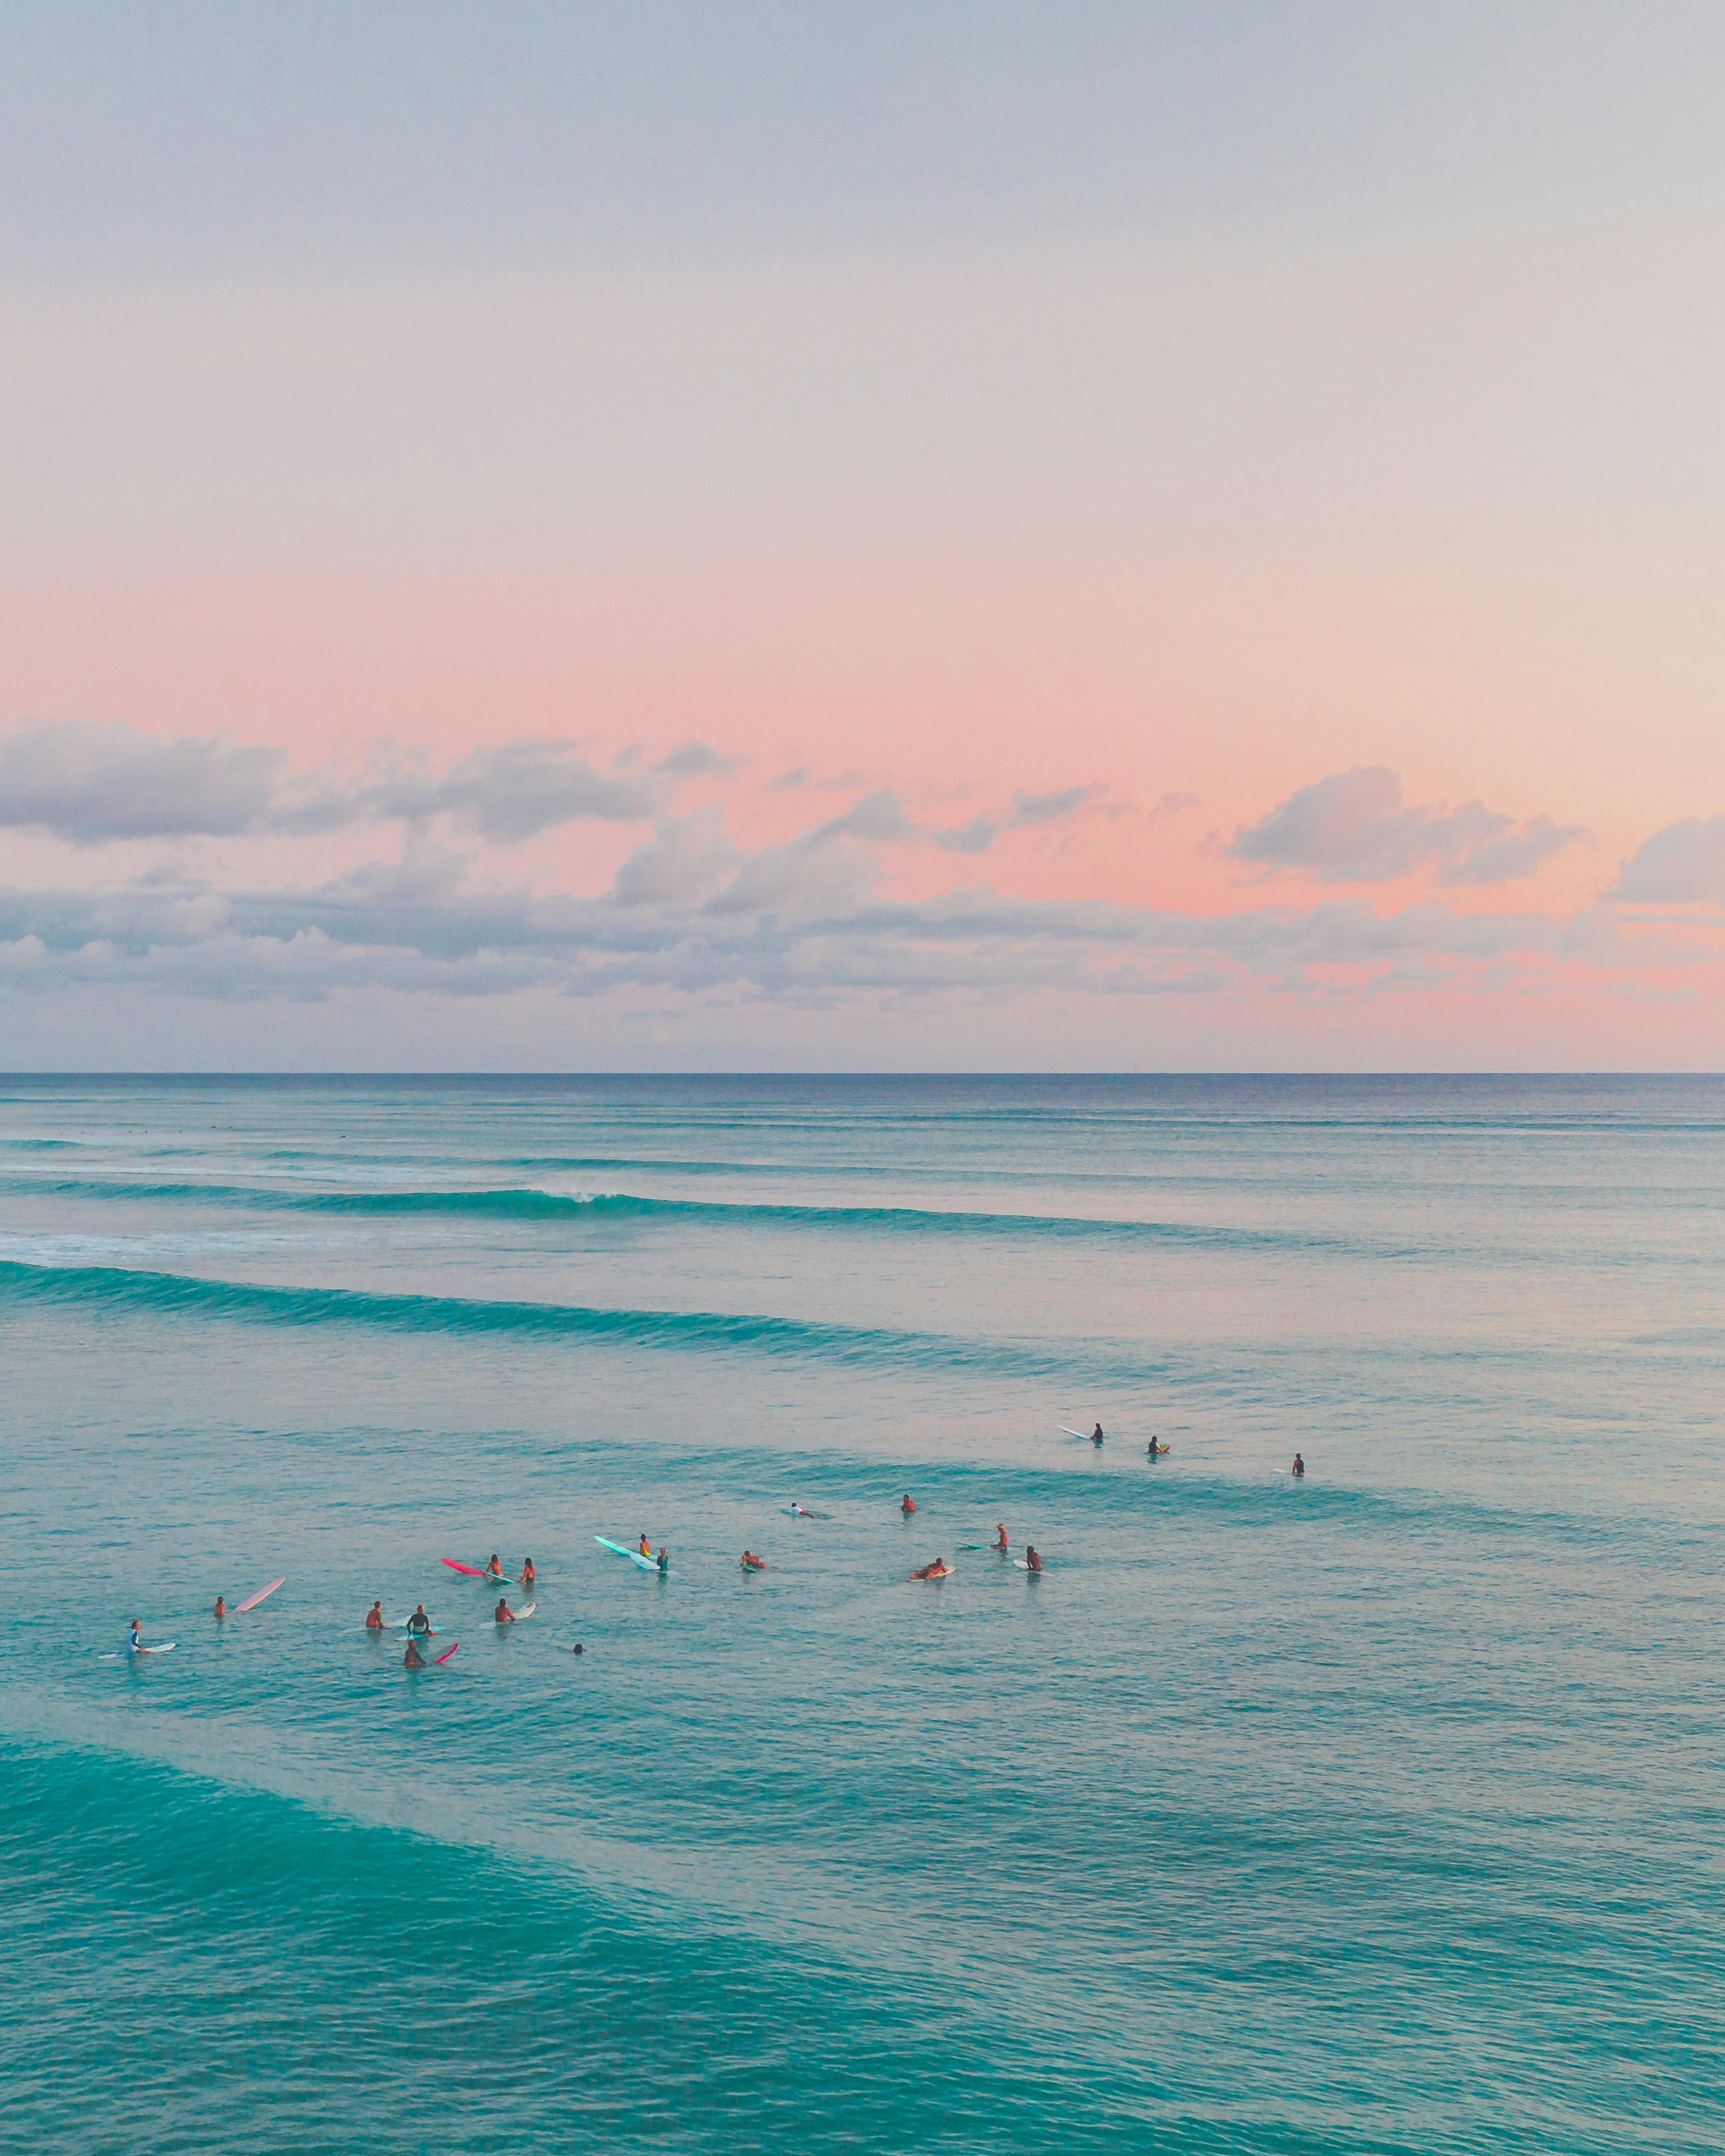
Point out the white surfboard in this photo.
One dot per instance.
(125, 1653)
(263, 1595)
(521, 1615)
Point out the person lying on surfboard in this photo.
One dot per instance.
(374, 1618)
(1000, 1531)
(937, 1570)
(751, 1563)
(419, 1622)
(503, 1614)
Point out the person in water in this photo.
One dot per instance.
(494, 1570)
(528, 1574)
(221, 1605)
(1096, 1435)
(1001, 1542)
(663, 1562)
(909, 1506)
(1155, 1448)
(1299, 1464)
(419, 1622)
(937, 1570)
(135, 1638)
(646, 1546)
(751, 1563)
(374, 1618)
(412, 1659)
(1032, 1562)
(503, 1614)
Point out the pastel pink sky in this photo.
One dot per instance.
(1258, 635)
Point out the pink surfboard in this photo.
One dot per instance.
(446, 1654)
(262, 1593)
(472, 1571)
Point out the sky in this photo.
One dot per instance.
(867, 536)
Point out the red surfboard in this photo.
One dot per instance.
(446, 1654)
(472, 1571)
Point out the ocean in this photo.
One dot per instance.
(1375, 1811)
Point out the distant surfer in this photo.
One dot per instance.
(494, 1570)
(577, 1649)
(909, 1506)
(937, 1570)
(412, 1659)
(663, 1562)
(1032, 1562)
(1001, 1542)
(221, 1605)
(751, 1563)
(1156, 1448)
(135, 1638)
(374, 1618)
(646, 1546)
(419, 1624)
(1096, 1435)
(1299, 1467)
(528, 1575)
(503, 1614)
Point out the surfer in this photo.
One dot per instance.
(664, 1561)
(937, 1570)
(494, 1570)
(646, 1546)
(1299, 1467)
(221, 1605)
(528, 1575)
(503, 1614)
(419, 1622)
(135, 1638)
(412, 1659)
(751, 1563)
(1032, 1562)
(1001, 1543)
(1096, 1435)
(374, 1618)
(577, 1649)
(909, 1506)
(1155, 1449)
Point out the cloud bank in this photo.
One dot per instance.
(1352, 827)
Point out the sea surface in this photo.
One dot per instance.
(1380, 1811)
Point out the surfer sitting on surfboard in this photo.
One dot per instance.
(528, 1574)
(374, 1618)
(412, 1659)
(503, 1614)
(419, 1622)
(1032, 1562)
(1096, 1435)
(1001, 1542)
(646, 1546)
(1155, 1448)
(221, 1605)
(494, 1570)
(135, 1638)
(1299, 1467)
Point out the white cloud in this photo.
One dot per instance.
(1352, 827)
(1684, 861)
(91, 781)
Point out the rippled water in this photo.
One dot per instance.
(1377, 1812)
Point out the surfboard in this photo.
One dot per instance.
(472, 1571)
(125, 1653)
(802, 1512)
(263, 1595)
(634, 1557)
(1074, 1433)
(1035, 1571)
(430, 1632)
(446, 1654)
(521, 1615)
(1160, 1452)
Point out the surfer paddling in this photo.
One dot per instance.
(751, 1563)
(938, 1570)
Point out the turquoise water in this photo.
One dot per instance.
(1379, 1812)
